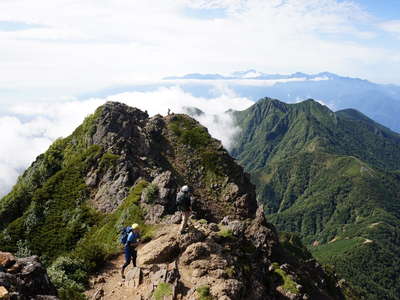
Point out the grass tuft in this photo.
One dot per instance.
(162, 290)
(204, 292)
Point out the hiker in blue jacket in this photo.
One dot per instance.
(130, 247)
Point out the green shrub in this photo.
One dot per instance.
(23, 249)
(225, 232)
(288, 284)
(70, 294)
(108, 160)
(246, 268)
(212, 161)
(230, 271)
(196, 137)
(190, 132)
(68, 273)
(292, 245)
(150, 193)
(78, 141)
(174, 127)
(204, 292)
(163, 289)
(93, 254)
(147, 232)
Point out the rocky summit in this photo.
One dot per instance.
(171, 150)
(122, 167)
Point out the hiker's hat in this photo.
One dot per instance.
(185, 189)
(135, 225)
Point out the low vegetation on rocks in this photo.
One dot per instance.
(162, 290)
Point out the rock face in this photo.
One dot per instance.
(235, 259)
(24, 278)
(154, 149)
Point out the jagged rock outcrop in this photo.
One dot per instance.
(153, 148)
(24, 278)
(211, 261)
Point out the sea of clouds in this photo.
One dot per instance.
(28, 129)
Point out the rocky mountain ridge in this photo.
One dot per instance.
(231, 260)
(120, 167)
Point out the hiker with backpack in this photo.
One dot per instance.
(130, 239)
(184, 204)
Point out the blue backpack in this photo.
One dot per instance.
(124, 234)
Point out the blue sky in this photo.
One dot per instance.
(64, 49)
(385, 9)
(16, 26)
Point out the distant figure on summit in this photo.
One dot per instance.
(130, 240)
(184, 204)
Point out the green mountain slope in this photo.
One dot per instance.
(333, 178)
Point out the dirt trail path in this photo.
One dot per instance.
(110, 285)
(158, 263)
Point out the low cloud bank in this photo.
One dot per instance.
(31, 127)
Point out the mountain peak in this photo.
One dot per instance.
(334, 179)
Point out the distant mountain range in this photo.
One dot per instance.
(378, 101)
(251, 74)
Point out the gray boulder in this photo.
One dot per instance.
(25, 278)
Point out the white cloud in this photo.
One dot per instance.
(330, 105)
(86, 45)
(175, 99)
(392, 26)
(21, 143)
(23, 140)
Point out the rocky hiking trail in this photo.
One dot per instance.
(108, 284)
(210, 261)
(141, 281)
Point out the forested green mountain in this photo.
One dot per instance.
(334, 179)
